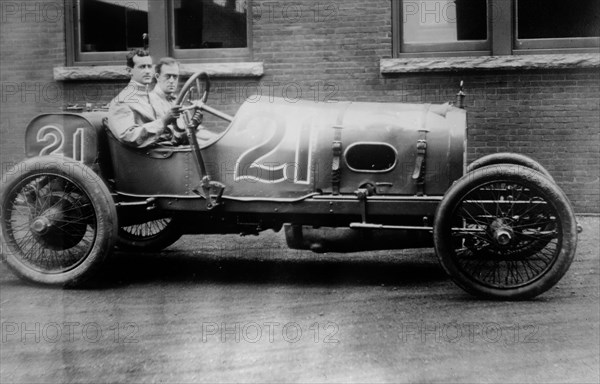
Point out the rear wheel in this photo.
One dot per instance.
(152, 235)
(505, 232)
(509, 158)
(59, 221)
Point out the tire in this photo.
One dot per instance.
(153, 235)
(59, 221)
(508, 158)
(505, 232)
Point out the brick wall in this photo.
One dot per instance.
(31, 43)
(327, 51)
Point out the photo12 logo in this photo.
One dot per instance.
(32, 11)
(253, 332)
(471, 332)
(294, 12)
(318, 91)
(53, 332)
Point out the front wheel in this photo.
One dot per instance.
(59, 221)
(505, 232)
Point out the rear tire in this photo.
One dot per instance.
(153, 235)
(505, 232)
(508, 158)
(59, 221)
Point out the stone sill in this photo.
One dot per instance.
(510, 62)
(119, 72)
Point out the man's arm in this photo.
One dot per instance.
(130, 129)
(169, 112)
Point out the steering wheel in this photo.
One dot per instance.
(186, 99)
(188, 96)
(197, 79)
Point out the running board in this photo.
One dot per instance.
(381, 226)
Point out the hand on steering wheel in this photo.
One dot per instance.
(172, 115)
(196, 118)
(192, 106)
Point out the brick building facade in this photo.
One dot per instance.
(544, 106)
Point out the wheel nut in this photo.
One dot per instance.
(503, 237)
(40, 225)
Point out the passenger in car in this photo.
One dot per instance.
(132, 118)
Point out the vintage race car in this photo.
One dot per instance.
(338, 177)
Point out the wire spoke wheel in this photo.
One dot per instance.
(152, 235)
(56, 222)
(509, 158)
(146, 230)
(509, 241)
(48, 218)
(505, 231)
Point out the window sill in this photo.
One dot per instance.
(509, 62)
(119, 72)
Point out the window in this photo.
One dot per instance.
(557, 24)
(102, 31)
(493, 27)
(94, 41)
(444, 25)
(203, 27)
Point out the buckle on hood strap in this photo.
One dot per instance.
(336, 168)
(421, 163)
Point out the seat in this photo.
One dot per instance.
(152, 171)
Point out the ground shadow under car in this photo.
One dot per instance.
(368, 268)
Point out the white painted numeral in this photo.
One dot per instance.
(56, 138)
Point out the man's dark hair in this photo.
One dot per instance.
(135, 52)
(165, 61)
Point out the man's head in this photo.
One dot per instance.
(139, 64)
(167, 75)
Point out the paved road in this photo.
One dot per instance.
(229, 309)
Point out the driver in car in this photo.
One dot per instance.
(162, 97)
(132, 118)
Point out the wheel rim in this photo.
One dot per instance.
(505, 235)
(145, 231)
(50, 223)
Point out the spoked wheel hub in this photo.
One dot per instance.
(41, 226)
(58, 227)
(502, 232)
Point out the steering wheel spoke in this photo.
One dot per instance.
(199, 81)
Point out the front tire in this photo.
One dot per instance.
(59, 221)
(505, 232)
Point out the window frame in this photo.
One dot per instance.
(470, 47)
(161, 39)
(565, 44)
(502, 38)
(213, 54)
